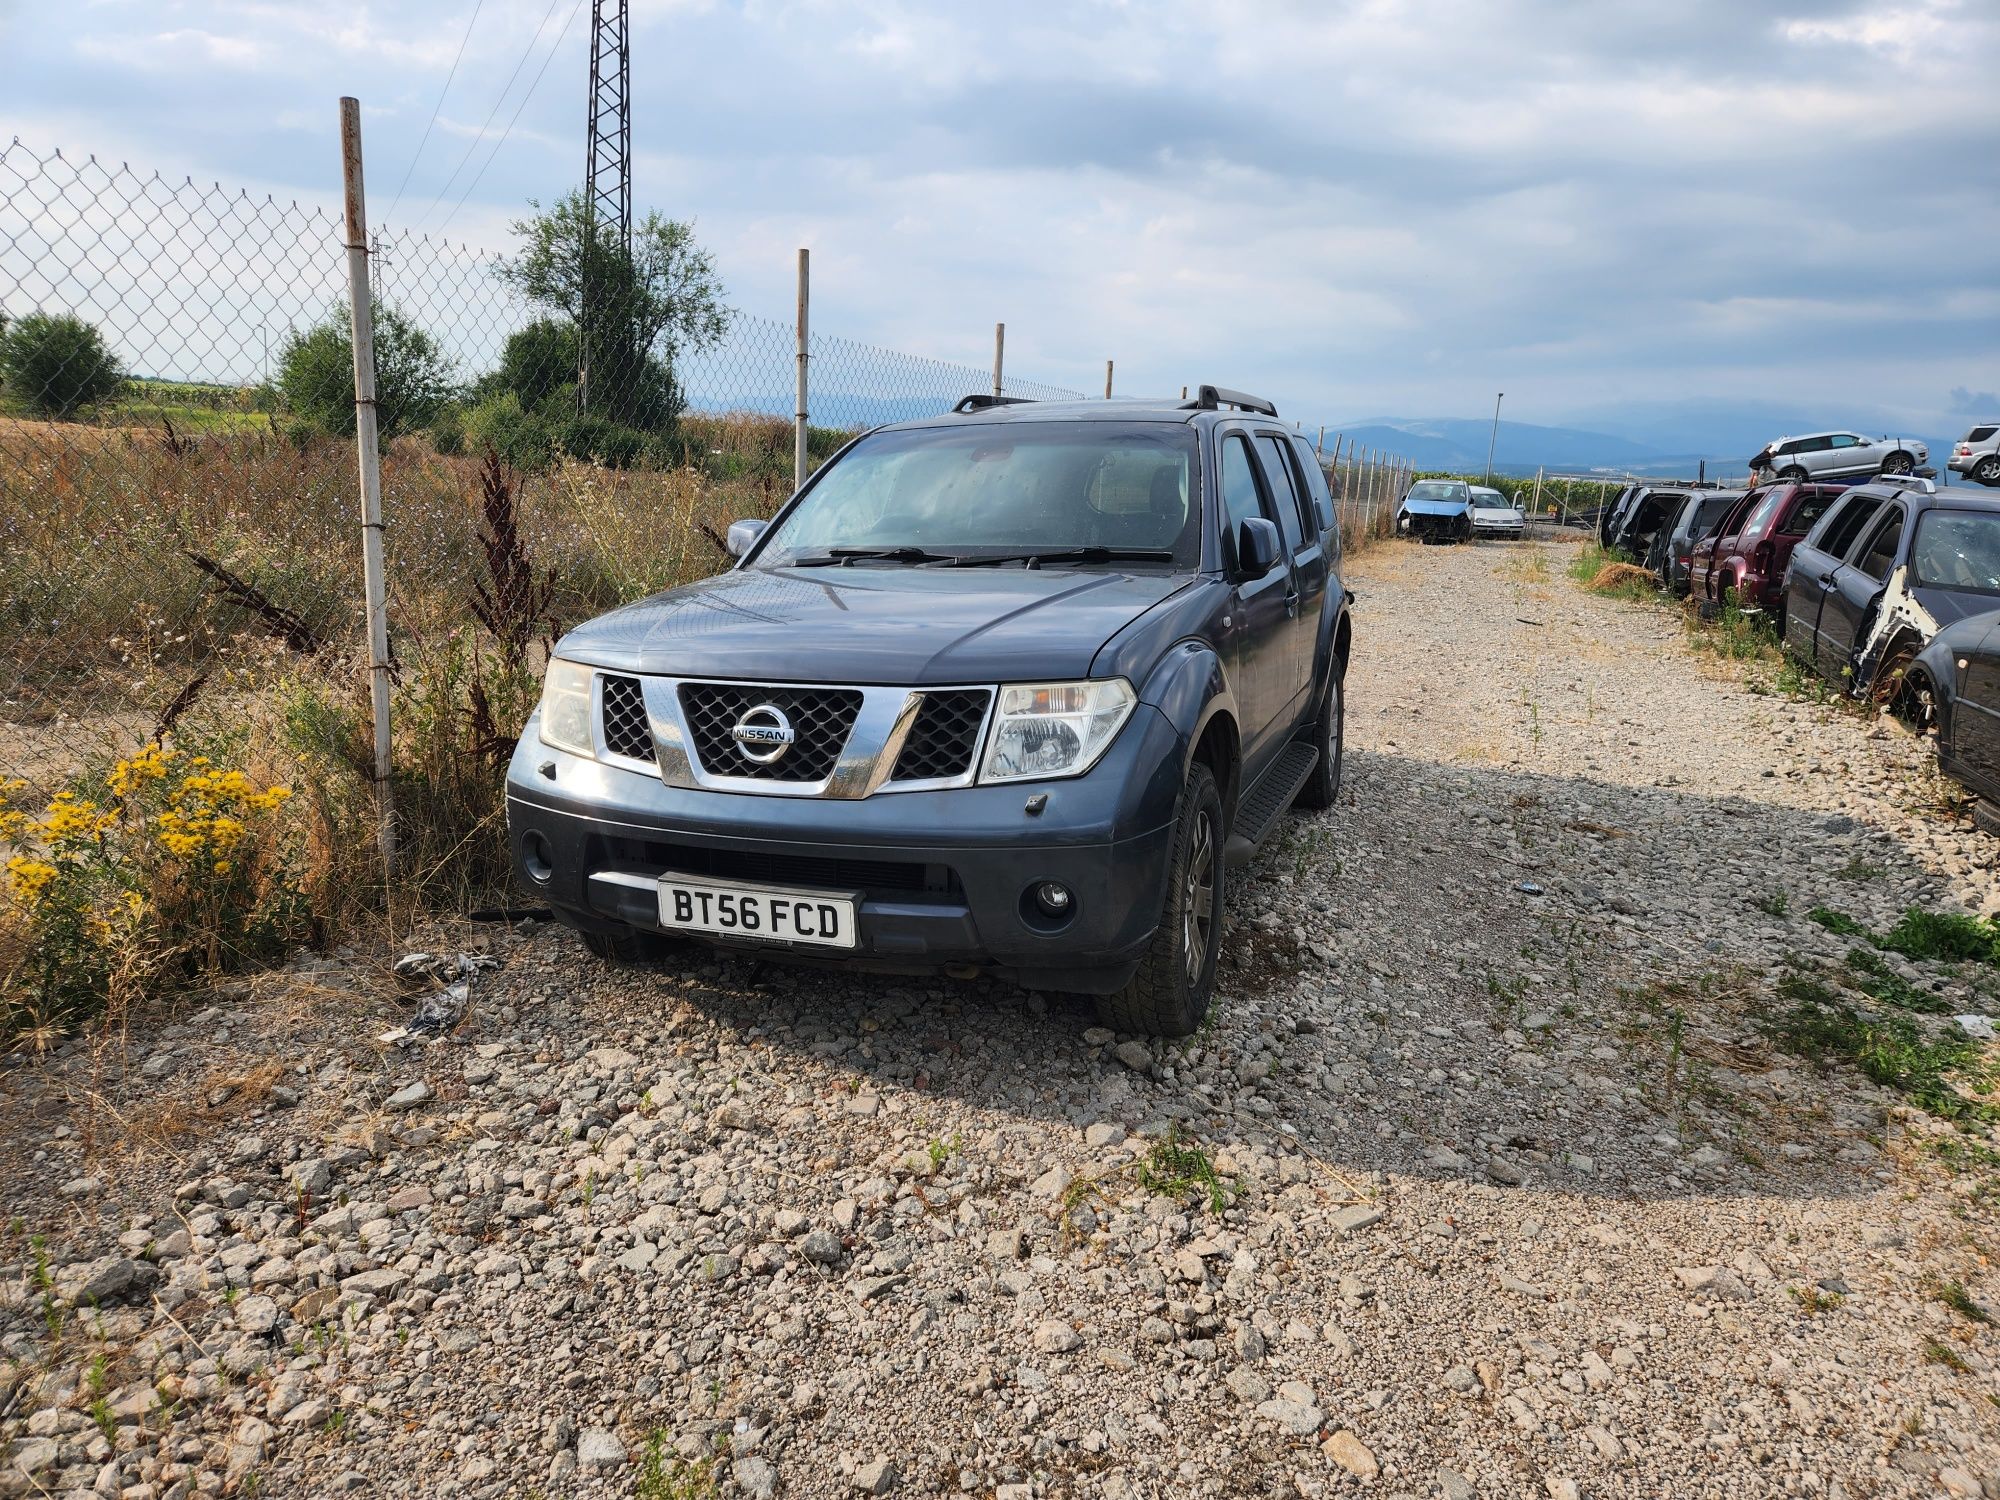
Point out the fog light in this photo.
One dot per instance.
(1053, 898)
(536, 857)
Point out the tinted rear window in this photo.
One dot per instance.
(1980, 434)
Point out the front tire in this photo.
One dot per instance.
(1898, 463)
(1170, 993)
(1794, 475)
(1987, 470)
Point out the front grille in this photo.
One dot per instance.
(625, 729)
(821, 719)
(885, 879)
(945, 737)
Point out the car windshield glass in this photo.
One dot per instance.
(1490, 500)
(1098, 489)
(1957, 549)
(1435, 489)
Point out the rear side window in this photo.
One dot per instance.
(1293, 518)
(1811, 506)
(1877, 554)
(1322, 498)
(1843, 523)
(1980, 434)
(1760, 516)
(1240, 500)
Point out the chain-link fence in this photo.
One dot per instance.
(178, 524)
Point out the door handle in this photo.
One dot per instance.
(1826, 580)
(1292, 601)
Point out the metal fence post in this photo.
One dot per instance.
(361, 319)
(799, 422)
(999, 352)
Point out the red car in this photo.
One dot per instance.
(1748, 549)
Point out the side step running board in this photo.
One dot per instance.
(1259, 812)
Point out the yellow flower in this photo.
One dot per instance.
(29, 877)
(222, 867)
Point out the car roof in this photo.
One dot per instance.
(1798, 437)
(1952, 498)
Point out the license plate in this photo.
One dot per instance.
(734, 908)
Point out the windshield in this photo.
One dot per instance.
(1957, 549)
(1490, 500)
(1436, 489)
(994, 490)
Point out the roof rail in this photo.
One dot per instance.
(1915, 482)
(983, 402)
(1215, 397)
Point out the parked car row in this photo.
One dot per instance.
(1889, 588)
(1451, 510)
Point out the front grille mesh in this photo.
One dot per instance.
(625, 729)
(821, 720)
(945, 737)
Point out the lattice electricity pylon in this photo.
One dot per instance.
(607, 177)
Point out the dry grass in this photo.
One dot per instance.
(1618, 578)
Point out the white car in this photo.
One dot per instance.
(1493, 514)
(1840, 455)
(1977, 455)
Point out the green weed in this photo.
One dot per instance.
(1943, 1354)
(1812, 1301)
(666, 1476)
(1177, 1168)
(1953, 1295)
(1836, 921)
(1947, 936)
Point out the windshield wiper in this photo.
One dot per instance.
(840, 557)
(1072, 555)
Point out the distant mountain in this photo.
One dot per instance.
(1458, 444)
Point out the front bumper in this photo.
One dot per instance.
(942, 876)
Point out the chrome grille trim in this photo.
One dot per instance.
(864, 766)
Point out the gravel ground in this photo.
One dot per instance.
(1487, 1178)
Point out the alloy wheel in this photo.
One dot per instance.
(1898, 463)
(1198, 897)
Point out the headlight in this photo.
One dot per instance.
(566, 707)
(1049, 729)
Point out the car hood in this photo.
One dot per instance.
(1434, 507)
(893, 625)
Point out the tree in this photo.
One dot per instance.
(412, 374)
(57, 364)
(537, 363)
(636, 312)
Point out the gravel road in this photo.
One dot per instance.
(1487, 1179)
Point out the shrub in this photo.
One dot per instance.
(167, 869)
(55, 364)
(523, 439)
(412, 374)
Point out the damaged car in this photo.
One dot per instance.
(1436, 510)
(1887, 568)
(1953, 689)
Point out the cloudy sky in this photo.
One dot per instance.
(1386, 207)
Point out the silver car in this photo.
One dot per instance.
(1493, 514)
(1977, 455)
(1840, 455)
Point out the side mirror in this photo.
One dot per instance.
(743, 536)
(1256, 547)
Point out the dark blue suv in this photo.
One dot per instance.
(1007, 690)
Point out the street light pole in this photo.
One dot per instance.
(1493, 437)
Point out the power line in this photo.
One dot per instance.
(493, 113)
(554, 48)
(434, 110)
